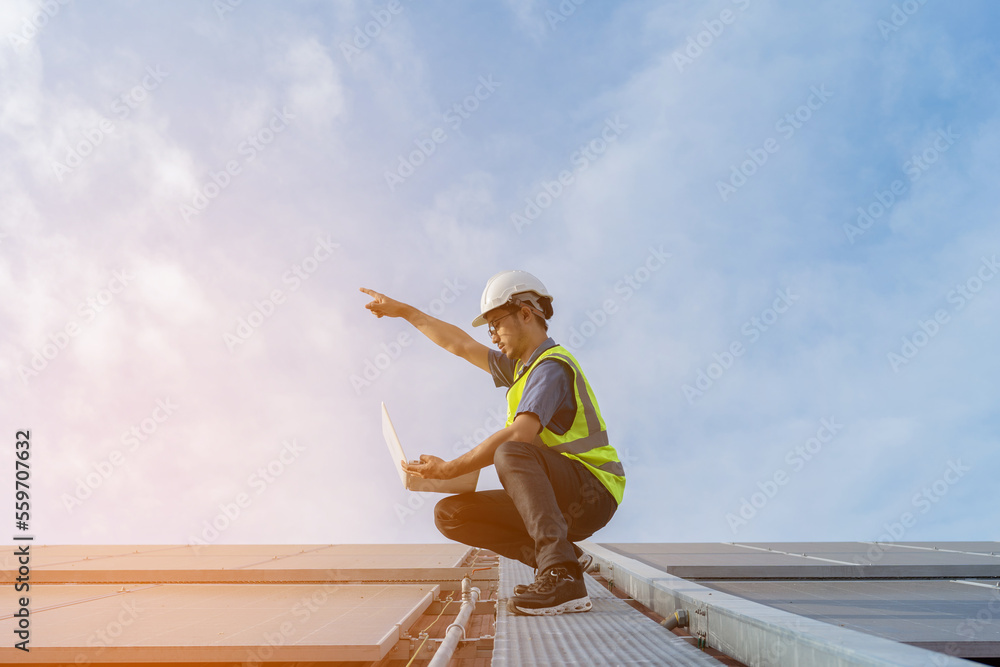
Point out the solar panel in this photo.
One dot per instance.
(217, 622)
(936, 595)
(802, 560)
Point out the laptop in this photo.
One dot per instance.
(462, 484)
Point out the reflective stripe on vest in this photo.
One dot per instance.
(586, 440)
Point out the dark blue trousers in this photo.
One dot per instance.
(548, 502)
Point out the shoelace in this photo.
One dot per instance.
(539, 578)
(548, 584)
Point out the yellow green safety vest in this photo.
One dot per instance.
(586, 440)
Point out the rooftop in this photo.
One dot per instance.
(850, 603)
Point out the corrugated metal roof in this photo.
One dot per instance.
(612, 633)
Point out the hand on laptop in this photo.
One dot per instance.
(430, 467)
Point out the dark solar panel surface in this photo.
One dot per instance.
(949, 616)
(827, 560)
(937, 595)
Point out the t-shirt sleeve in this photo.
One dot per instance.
(548, 393)
(502, 369)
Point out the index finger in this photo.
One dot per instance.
(370, 292)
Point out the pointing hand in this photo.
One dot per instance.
(381, 305)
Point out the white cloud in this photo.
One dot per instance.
(450, 222)
(314, 88)
(529, 16)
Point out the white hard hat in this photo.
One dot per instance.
(511, 287)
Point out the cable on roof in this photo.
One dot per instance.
(447, 602)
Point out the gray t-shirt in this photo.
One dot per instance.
(548, 391)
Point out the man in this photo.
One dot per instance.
(561, 479)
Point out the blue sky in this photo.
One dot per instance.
(770, 230)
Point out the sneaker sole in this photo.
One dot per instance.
(571, 607)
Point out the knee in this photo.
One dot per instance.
(510, 451)
(444, 511)
(444, 514)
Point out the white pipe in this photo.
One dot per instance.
(456, 631)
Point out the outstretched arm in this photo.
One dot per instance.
(443, 334)
(524, 429)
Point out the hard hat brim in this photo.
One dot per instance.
(504, 286)
(481, 320)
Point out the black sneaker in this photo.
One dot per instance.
(585, 560)
(557, 591)
(521, 589)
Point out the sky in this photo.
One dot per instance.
(769, 228)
